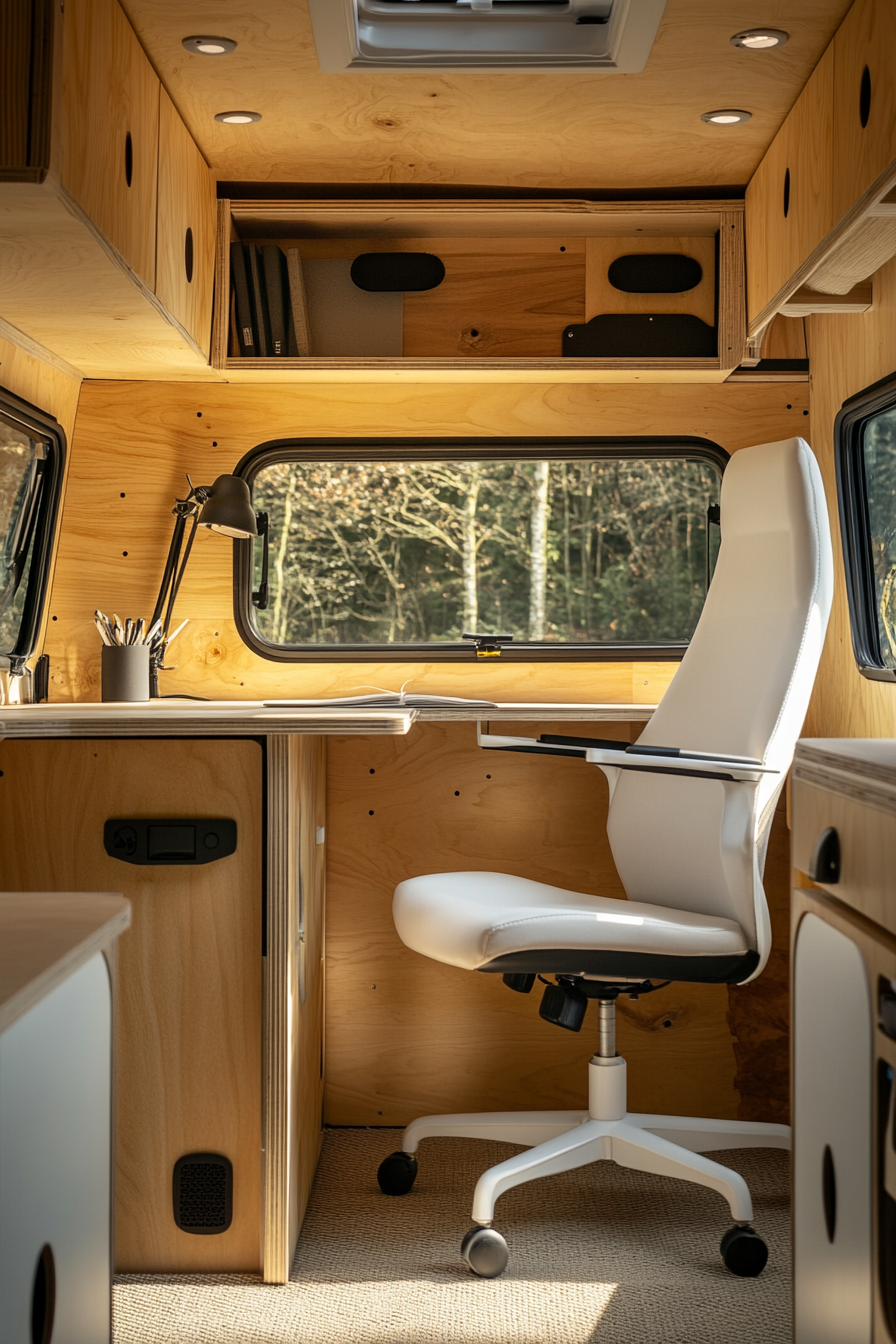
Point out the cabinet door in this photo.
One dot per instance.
(185, 261)
(55, 1158)
(788, 203)
(110, 129)
(866, 42)
(832, 1099)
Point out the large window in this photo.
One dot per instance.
(866, 484)
(31, 449)
(575, 548)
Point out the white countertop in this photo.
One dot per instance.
(248, 718)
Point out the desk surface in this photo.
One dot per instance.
(46, 936)
(248, 718)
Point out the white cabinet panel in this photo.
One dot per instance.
(832, 1111)
(55, 1134)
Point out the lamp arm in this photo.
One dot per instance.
(170, 570)
(175, 587)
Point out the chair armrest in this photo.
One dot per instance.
(672, 761)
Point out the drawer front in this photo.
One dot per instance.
(864, 125)
(867, 849)
(832, 1163)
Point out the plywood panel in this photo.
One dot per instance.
(409, 1036)
(188, 1015)
(867, 38)
(525, 130)
(65, 290)
(109, 92)
(135, 442)
(847, 354)
(777, 244)
(602, 297)
(511, 302)
(186, 201)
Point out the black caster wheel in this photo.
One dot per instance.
(485, 1251)
(744, 1252)
(397, 1173)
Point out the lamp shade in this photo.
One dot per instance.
(228, 509)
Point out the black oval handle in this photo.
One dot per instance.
(829, 1192)
(128, 159)
(824, 866)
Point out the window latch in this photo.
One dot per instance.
(260, 599)
(489, 646)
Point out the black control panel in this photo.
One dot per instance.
(150, 841)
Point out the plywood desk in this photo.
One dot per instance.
(235, 950)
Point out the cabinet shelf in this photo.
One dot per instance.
(517, 274)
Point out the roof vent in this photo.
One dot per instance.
(610, 36)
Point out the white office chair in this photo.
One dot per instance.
(691, 806)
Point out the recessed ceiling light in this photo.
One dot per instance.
(760, 39)
(212, 46)
(237, 118)
(726, 116)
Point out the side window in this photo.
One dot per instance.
(400, 550)
(866, 486)
(31, 459)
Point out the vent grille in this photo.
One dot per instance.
(491, 35)
(203, 1193)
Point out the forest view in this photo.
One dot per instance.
(879, 445)
(578, 550)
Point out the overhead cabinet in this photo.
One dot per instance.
(95, 213)
(821, 207)
(513, 290)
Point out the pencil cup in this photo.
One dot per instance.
(126, 672)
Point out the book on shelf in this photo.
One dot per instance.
(259, 304)
(300, 333)
(245, 318)
(270, 306)
(385, 700)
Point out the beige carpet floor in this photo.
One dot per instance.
(601, 1254)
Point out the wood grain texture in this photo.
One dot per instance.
(161, 432)
(807, 301)
(510, 302)
(186, 201)
(785, 339)
(778, 244)
(409, 1036)
(867, 37)
(526, 130)
(110, 91)
(847, 354)
(45, 937)
(602, 297)
(293, 992)
(66, 288)
(759, 1013)
(188, 1014)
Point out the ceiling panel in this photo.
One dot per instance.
(556, 130)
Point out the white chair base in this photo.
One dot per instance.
(563, 1140)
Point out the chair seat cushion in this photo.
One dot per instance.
(474, 920)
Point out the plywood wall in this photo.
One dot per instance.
(135, 442)
(847, 354)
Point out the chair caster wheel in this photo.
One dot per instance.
(397, 1173)
(485, 1251)
(744, 1252)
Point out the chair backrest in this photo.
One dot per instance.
(741, 689)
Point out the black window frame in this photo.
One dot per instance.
(855, 523)
(661, 447)
(37, 424)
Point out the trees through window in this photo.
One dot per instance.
(566, 550)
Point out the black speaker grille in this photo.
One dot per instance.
(203, 1193)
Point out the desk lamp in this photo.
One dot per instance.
(226, 508)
